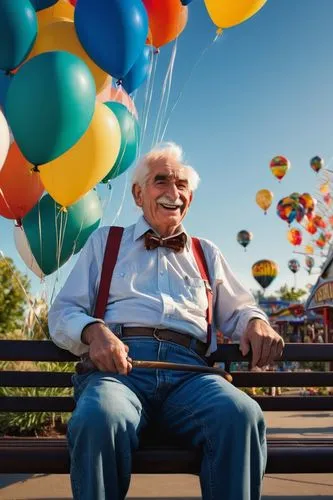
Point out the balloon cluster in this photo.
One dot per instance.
(295, 207)
(67, 69)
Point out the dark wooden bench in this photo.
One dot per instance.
(50, 455)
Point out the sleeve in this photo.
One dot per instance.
(234, 306)
(73, 307)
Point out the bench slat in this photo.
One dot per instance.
(240, 379)
(47, 455)
(66, 404)
(45, 350)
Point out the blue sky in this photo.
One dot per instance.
(264, 88)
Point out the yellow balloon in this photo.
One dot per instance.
(73, 174)
(227, 13)
(264, 199)
(61, 35)
(59, 11)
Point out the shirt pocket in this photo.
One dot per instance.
(192, 291)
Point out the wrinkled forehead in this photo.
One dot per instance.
(169, 169)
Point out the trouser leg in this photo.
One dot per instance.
(229, 428)
(102, 434)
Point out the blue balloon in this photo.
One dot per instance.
(185, 2)
(112, 32)
(139, 71)
(4, 85)
(42, 4)
(18, 31)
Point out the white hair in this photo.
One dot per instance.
(166, 151)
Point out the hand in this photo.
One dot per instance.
(266, 344)
(107, 352)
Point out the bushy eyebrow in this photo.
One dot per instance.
(163, 177)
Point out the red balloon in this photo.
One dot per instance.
(73, 2)
(167, 19)
(20, 189)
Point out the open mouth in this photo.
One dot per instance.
(169, 206)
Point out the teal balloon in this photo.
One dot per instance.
(130, 136)
(54, 235)
(50, 103)
(18, 31)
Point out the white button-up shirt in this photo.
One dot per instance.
(156, 288)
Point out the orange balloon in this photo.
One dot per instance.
(120, 95)
(167, 19)
(20, 188)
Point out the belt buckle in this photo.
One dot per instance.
(155, 334)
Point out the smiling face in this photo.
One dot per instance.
(165, 197)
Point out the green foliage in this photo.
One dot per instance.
(13, 288)
(291, 294)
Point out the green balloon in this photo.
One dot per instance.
(130, 135)
(18, 31)
(50, 103)
(54, 235)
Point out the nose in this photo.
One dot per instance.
(173, 190)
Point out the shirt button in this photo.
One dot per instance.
(122, 274)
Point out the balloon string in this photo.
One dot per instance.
(160, 110)
(181, 92)
(172, 62)
(122, 200)
(16, 277)
(7, 204)
(148, 97)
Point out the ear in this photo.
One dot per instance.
(137, 195)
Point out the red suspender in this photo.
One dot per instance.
(202, 265)
(109, 261)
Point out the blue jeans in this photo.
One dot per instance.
(204, 409)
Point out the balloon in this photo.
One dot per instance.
(18, 31)
(244, 237)
(316, 163)
(318, 221)
(294, 236)
(309, 249)
(311, 227)
(50, 103)
(139, 71)
(321, 241)
(118, 94)
(20, 189)
(185, 2)
(325, 187)
(288, 208)
(49, 237)
(227, 13)
(113, 32)
(78, 170)
(73, 2)
(4, 86)
(58, 12)
(167, 20)
(264, 199)
(4, 140)
(42, 4)
(61, 35)
(309, 262)
(130, 136)
(294, 265)
(279, 166)
(264, 272)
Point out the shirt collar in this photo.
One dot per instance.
(142, 226)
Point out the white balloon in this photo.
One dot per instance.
(4, 139)
(23, 248)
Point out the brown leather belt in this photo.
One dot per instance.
(182, 339)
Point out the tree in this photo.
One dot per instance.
(14, 286)
(291, 294)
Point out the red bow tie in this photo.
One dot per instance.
(175, 243)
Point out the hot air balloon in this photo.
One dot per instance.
(294, 265)
(244, 237)
(294, 236)
(264, 198)
(264, 272)
(309, 262)
(316, 163)
(279, 166)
